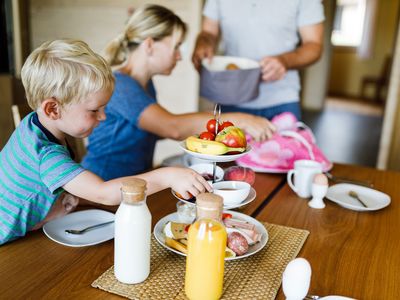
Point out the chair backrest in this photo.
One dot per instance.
(19, 111)
(385, 72)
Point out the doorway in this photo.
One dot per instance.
(348, 129)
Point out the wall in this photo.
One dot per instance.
(316, 77)
(98, 21)
(348, 69)
(389, 157)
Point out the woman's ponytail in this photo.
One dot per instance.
(116, 50)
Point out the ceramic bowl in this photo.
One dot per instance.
(206, 170)
(233, 192)
(230, 87)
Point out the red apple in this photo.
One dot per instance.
(232, 136)
(238, 173)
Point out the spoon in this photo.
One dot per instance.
(354, 195)
(75, 231)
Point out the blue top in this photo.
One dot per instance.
(33, 168)
(118, 147)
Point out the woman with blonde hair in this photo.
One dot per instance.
(124, 143)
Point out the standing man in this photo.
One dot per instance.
(283, 35)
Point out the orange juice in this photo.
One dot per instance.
(205, 260)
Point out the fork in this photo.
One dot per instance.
(76, 231)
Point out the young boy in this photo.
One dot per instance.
(68, 86)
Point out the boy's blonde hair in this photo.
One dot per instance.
(67, 70)
(154, 21)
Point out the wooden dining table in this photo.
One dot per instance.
(354, 254)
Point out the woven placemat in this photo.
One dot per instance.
(256, 277)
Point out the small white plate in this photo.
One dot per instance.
(252, 195)
(215, 158)
(374, 199)
(336, 298)
(55, 229)
(159, 235)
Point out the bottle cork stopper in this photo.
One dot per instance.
(209, 205)
(133, 190)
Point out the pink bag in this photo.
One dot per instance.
(292, 141)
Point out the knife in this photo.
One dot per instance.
(343, 179)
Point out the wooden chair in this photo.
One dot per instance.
(19, 111)
(378, 82)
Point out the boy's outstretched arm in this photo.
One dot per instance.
(91, 187)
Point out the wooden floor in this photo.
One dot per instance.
(347, 131)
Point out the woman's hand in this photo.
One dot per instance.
(258, 127)
(185, 181)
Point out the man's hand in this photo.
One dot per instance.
(275, 67)
(272, 68)
(205, 46)
(206, 42)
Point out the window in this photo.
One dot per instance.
(349, 23)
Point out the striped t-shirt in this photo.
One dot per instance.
(33, 169)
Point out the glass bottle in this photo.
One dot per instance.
(132, 233)
(206, 250)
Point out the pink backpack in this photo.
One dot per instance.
(292, 141)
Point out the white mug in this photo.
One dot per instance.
(304, 172)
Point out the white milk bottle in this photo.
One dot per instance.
(132, 234)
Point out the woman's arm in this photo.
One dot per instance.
(158, 120)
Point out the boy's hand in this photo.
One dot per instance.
(185, 181)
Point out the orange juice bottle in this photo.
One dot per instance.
(206, 250)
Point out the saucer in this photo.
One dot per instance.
(252, 195)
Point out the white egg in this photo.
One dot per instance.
(296, 279)
(320, 179)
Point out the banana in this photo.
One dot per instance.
(209, 147)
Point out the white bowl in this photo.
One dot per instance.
(233, 192)
(204, 169)
(219, 63)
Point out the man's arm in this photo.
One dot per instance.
(206, 42)
(275, 67)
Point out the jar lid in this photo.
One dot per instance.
(209, 205)
(133, 189)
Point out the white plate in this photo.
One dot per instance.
(336, 298)
(215, 158)
(373, 199)
(159, 235)
(252, 195)
(55, 229)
